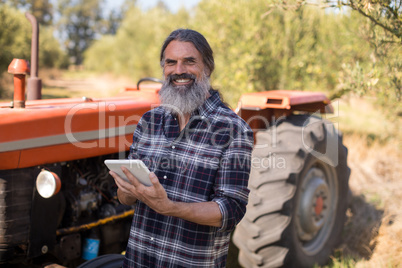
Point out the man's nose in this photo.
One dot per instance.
(180, 68)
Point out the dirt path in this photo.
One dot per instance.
(93, 86)
(373, 233)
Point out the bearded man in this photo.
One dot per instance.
(200, 154)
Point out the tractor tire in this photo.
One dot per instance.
(298, 195)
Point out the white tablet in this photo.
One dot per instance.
(136, 167)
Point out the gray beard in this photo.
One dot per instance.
(181, 100)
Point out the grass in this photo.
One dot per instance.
(72, 83)
(78, 73)
(362, 117)
(339, 261)
(373, 232)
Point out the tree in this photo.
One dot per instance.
(385, 14)
(81, 22)
(112, 22)
(261, 46)
(381, 28)
(14, 36)
(383, 31)
(134, 50)
(15, 42)
(41, 9)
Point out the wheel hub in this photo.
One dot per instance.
(313, 205)
(319, 205)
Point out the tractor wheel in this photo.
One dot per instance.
(298, 195)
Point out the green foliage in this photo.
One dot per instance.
(256, 47)
(260, 46)
(41, 9)
(354, 79)
(134, 50)
(384, 14)
(15, 42)
(268, 44)
(387, 59)
(381, 28)
(15, 37)
(235, 34)
(50, 53)
(81, 22)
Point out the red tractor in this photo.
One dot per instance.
(56, 194)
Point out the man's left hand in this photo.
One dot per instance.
(153, 196)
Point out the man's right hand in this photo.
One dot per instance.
(124, 197)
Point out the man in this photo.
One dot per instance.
(200, 153)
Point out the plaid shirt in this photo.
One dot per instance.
(208, 161)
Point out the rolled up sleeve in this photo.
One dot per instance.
(231, 192)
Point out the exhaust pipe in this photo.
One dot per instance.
(19, 68)
(34, 83)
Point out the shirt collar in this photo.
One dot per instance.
(171, 123)
(209, 105)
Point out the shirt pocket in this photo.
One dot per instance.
(196, 174)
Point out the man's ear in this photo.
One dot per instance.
(207, 72)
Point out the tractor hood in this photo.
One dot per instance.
(57, 130)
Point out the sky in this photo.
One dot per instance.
(174, 5)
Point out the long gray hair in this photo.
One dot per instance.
(198, 40)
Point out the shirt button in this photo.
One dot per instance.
(165, 177)
(173, 147)
(152, 239)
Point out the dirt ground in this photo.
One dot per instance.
(94, 86)
(373, 232)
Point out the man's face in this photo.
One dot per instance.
(183, 64)
(186, 85)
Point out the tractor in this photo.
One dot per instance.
(56, 196)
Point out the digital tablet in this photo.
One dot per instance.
(136, 167)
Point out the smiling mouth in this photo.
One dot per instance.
(182, 79)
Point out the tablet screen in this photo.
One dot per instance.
(136, 167)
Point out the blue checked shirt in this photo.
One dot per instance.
(208, 161)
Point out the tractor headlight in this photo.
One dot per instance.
(47, 184)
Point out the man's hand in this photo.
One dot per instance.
(153, 196)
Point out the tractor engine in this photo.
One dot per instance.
(58, 226)
(90, 192)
